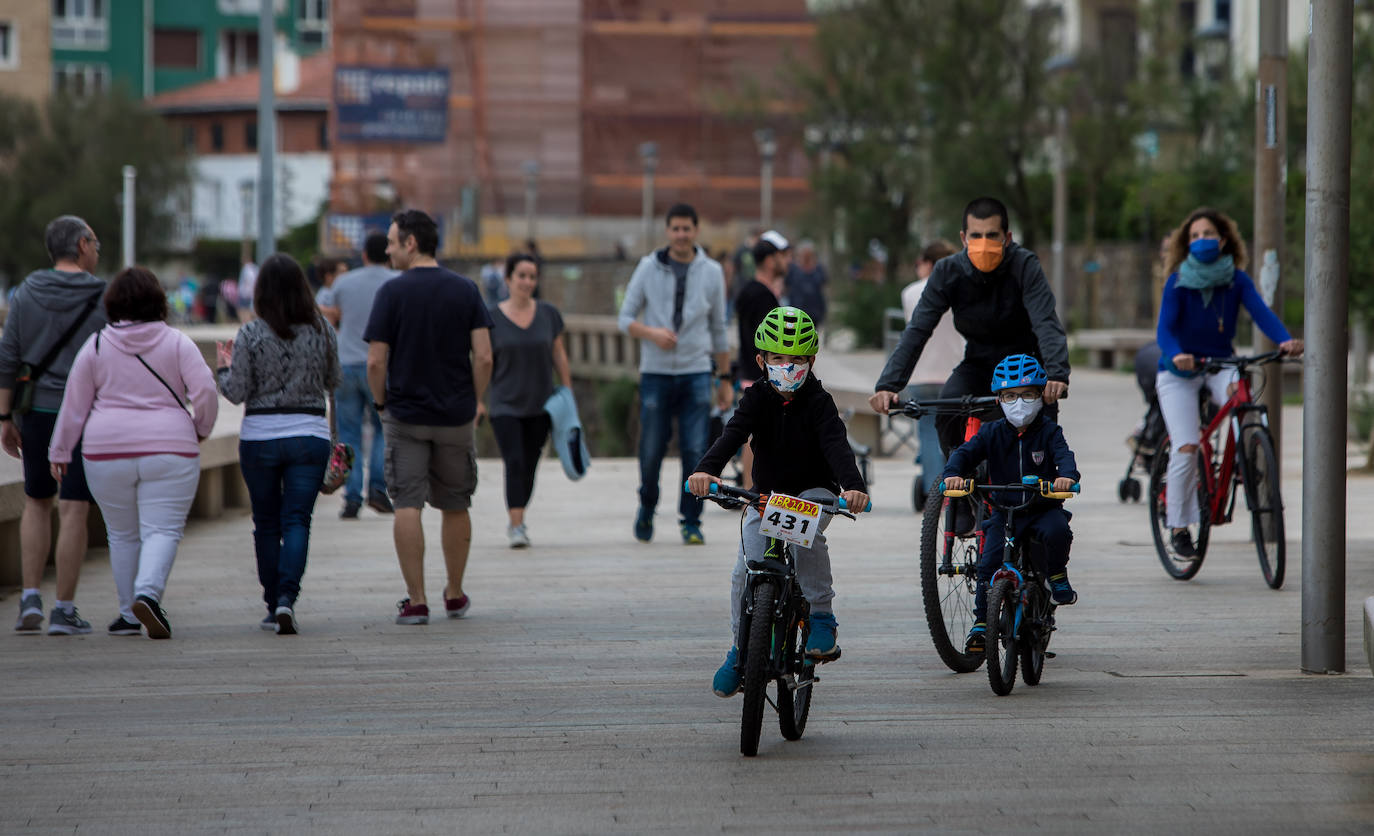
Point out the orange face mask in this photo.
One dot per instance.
(985, 253)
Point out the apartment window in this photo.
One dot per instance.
(238, 53)
(177, 49)
(80, 24)
(247, 7)
(80, 79)
(250, 135)
(188, 137)
(324, 134)
(216, 136)
(1222, 11)
(9, 46)
(312, 21)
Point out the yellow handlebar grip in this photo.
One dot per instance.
(956, 493)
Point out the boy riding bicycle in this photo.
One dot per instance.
(799, 443)
(1024, 443)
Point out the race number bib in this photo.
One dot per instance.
(791, 519)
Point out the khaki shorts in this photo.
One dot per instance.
(438, 464)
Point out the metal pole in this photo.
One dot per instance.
(648, 153)
(267, 133)
(531, 198)
(768, 148)
(1061, 208)
(1325, 295)
(1271, 145)
(127, 238)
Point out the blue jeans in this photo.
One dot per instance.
(353, 400)
(930, 457)
(283, 477)
(661, 397)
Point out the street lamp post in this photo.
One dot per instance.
(531, 168)
(127, 237)
(768, 149)
(246, 189)
(1060, 66)
(648, 154)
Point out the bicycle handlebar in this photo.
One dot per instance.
(965, 405)
(1212, 365)
(1043, 486)
(729, 496)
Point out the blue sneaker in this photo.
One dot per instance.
(728, 680)
(644, 525)
(691, 535)
(1061, 591)
(977, 641)
(820, 643)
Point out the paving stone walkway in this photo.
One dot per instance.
(576, 699)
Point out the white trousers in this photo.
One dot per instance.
(813, 567)
(145, 501)
(1178, 401)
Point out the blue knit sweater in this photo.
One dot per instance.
(1186, 326)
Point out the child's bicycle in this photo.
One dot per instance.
(774, 623)
(1020, 609)
(1246, 457)
(951, 540)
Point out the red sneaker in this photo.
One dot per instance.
(456, 607)
(411, 613)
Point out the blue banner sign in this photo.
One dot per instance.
(389, 104)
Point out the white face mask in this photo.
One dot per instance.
(1020, 413)
(788, 377)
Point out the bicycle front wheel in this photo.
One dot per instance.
(1001, 638)
(795, 706)
(1265, 499)
(1179, 567)
(949, 578)
(759, 651)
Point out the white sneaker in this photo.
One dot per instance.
(518, 537)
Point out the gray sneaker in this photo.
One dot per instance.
(62, 624)
(30, 614)
(517, 535)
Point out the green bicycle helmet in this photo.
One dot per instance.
(787, 330)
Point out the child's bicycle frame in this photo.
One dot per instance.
(1020, 609)
(951, 540)
(773, 628)
(1246, 456)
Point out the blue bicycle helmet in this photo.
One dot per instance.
(1018, 370)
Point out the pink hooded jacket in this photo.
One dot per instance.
(114, 406)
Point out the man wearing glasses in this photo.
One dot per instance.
(53, 313)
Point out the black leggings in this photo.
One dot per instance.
(520, 440)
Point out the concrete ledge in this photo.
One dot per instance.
(1111, 348)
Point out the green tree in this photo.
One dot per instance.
(66, 156)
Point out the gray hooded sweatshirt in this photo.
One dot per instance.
(44, 307)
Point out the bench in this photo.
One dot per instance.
(221, 487)
(1112, 348)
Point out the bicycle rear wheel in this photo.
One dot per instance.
(1179, 567)
(949, 577)
(756, 667)
(795, 706)
(1037, 636)
(1265, 499)
(1002, 640)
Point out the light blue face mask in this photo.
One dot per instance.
(1020, 413)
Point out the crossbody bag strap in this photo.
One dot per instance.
(170, 390)
(66, 337)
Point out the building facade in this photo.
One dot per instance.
(154, 46)
(25, 60)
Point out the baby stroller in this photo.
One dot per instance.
(1149, 433)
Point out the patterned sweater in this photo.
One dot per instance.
(270, 375)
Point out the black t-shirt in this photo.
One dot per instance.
(754, 302)
(427, 315)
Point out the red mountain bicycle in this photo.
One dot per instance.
(1245, 456)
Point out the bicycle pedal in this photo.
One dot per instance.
(1049, 654)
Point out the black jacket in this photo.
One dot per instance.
(1040, 451)
(1007, 311)
(798, 444)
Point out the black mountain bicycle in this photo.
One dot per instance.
(774, 626)
(1020, 609)
(951, 540)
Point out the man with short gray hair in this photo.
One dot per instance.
(52, 314)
